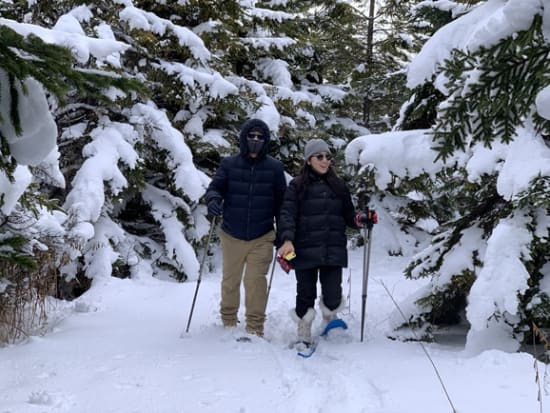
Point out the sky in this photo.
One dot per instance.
(120, 346)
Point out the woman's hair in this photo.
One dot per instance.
(304, 177)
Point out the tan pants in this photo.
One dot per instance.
(253, 257)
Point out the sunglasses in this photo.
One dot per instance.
(321, 156)
(256, 135)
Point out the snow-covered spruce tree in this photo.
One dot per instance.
(142, 212)
(397, 34)
(209, 66)
(280, 56)
(189, 73)
(404, 29)
(332, 51)
(31, 238)
(405, 194)
(488, 264)
(134, 197)
(280, 59)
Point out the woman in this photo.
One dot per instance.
(316, 208)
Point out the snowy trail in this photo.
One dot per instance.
(322, 385)
(118, 349)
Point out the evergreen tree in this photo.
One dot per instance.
(295, 59)
(400, 30)
(149, 211)
(207, 66)
(333, 54)
(31, 74)
(489, 108)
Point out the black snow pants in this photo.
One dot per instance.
(306, 291)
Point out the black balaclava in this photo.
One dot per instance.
(251, 126)
(255, 140)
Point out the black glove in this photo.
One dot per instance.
(215, 207)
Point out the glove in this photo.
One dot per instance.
(367, 217)
(372, 217)
(215, 207)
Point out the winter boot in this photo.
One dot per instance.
(329, 315)
(229, 323)
(304, 326)
(257, 331)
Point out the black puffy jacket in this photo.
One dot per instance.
(252, 190)
(316, 223)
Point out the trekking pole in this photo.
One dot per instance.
(367, 235)
(270, 280)
(212, 225)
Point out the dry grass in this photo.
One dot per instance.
(23, 309)
(539, 336)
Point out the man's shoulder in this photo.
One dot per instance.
(230, 159)
(272, 162)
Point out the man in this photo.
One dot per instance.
(247, 191)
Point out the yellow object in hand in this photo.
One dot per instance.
(290, 256)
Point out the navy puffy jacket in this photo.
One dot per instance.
(252, 190)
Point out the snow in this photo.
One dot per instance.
(122, 347)
(277, 70)
(39, 131)
(11, 191)
(268, 42)
(527, 153)
(163, 209)
(140, 19)
(484, 26)
(394, 154)
(498, 284)
(543, 102)
(458, 258)
(81, 46)
(271, 14)
(186, 176)
(107, 148)
(218, 87)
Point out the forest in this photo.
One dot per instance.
(114, 114)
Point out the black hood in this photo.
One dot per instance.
(247, 127)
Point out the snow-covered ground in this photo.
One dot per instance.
(120, 348)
